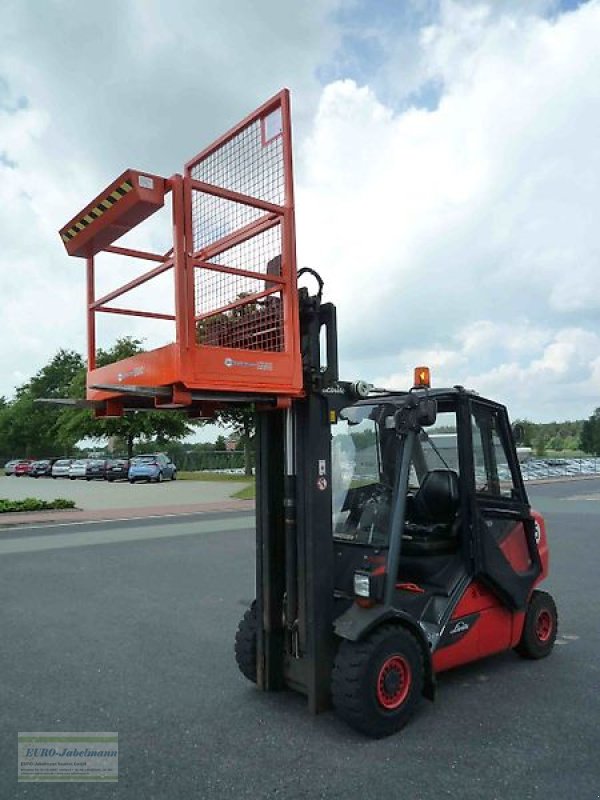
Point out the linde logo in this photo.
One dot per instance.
(263, 366)
(133, 373)
(332, 390)
(460, 627)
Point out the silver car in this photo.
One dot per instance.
(78, 468)
(60, 468)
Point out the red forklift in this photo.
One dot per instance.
(394, 536)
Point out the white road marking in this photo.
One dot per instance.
(36, 544)
(43, 525)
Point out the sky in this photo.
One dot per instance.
(446, 156)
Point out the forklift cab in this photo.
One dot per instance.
(435, 546)
(426, 486)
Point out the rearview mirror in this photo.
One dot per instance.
(416, 414)
(518, 432)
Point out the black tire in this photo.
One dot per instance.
(131, 480)
(540, 628)
(245, 644)
(159, 477)
(174, 475)
(377, 683)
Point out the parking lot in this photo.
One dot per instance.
(129, 627)
(102, 494)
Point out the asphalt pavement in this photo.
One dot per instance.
(129, 626)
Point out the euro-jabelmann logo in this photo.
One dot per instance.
(69, 757)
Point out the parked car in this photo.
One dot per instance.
(60, 468)
(9, 467)
(22, 467)
(152, 467)
(42, 468)
(117, 469)
(78, 468)
(95, 468)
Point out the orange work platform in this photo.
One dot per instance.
(233, 266)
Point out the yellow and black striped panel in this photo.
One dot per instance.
(98, 210)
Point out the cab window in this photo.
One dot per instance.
(436, 448)
(493, 476)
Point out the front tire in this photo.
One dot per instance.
(540, 628)
(377, 683)
(245, 643)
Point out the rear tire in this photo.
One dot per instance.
(540, 628)
(245, 643)
(377, 683)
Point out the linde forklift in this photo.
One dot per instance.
(394, 536)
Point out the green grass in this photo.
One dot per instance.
(212, 476)
(33, 504)
(564, 454)
(247, 493)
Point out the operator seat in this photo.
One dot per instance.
(433, 526)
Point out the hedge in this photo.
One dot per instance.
(33, 504)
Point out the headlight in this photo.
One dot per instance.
(362, 584)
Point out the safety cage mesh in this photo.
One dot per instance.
(233, 308)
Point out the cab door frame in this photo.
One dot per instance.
(496, 515)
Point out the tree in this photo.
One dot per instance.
(158, 427)
(589, 440)
(29, 428)
(529, 432)
(220, 444)
(540, 445)
(243, 422)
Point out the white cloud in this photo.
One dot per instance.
(469, 230)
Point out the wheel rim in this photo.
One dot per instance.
(544, 625)
(393, 682)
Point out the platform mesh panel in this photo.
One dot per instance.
(244, 164)
(250, 163)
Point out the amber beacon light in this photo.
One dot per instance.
(422, 377)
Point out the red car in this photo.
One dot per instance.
(22, 467)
